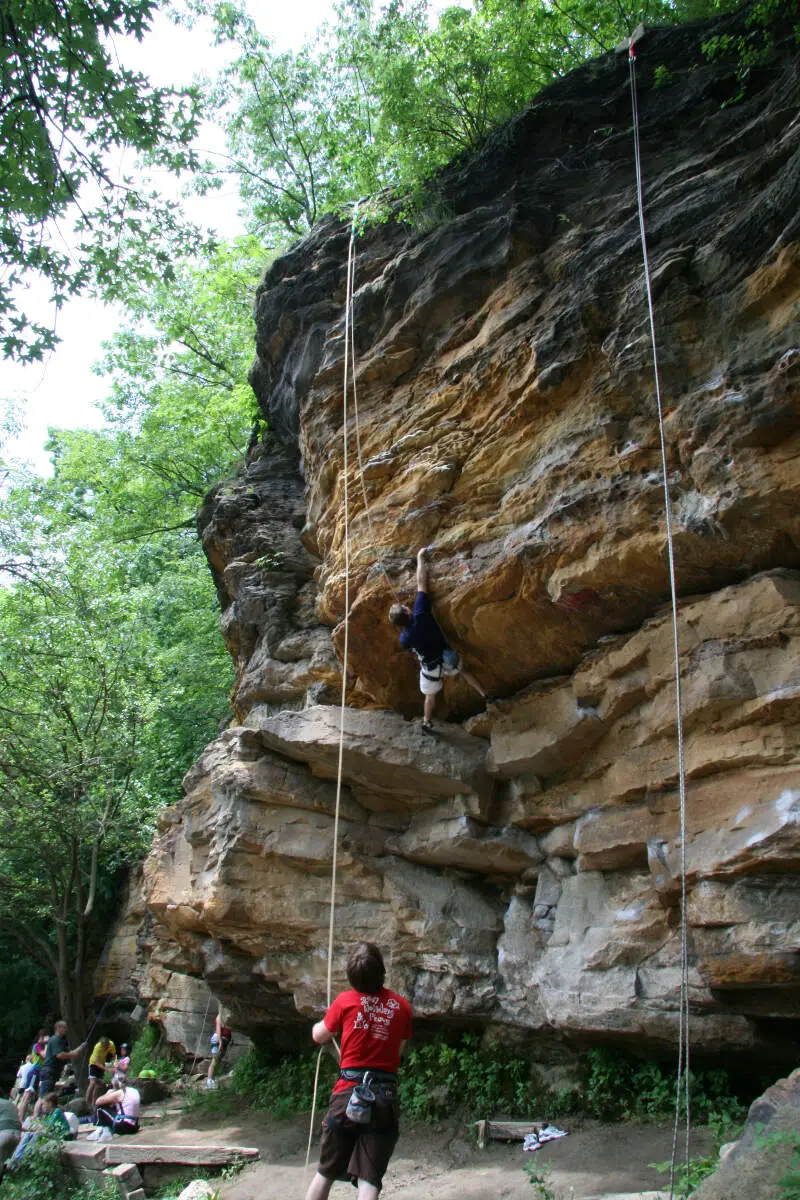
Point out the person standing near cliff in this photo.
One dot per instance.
(30, 1084)
(375, 1027)
(220, 1039)
(420, 633)
(56, 1056)
(99, 1065)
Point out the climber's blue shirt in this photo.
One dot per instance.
(423, 635)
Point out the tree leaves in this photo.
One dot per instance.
(113, 674)
(385, 96)
(65, 106)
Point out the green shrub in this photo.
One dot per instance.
(617, 1088)
(172, 1188)
(41, 1175)
(203, 1102)
(688, 1176)
(539, 1179)
(281, 1084)
(145, 1057)
(438, 1078)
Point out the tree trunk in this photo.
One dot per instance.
(73, 1011)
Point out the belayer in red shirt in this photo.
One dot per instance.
(360, 1129)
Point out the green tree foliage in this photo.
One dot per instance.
(113, 678)
(383, 97)
(72, 720)
(113, 674)
(65, 106)
(29, 995)
(179, 413)
(299, 125)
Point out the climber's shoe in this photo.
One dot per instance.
(427, 727)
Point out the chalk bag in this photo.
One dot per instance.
(359, 1106)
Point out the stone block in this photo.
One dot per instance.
(559, 841)
(543, 734)
(127, 1178)
(382, 753)
(614, 839)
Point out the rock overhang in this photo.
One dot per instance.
(527, 877)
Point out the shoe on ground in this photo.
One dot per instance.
(427, 726)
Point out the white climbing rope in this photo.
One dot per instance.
(348, 312)
(367, 507)
(202, 1031)
(682, 1080)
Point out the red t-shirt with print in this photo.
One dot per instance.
(372, 1026)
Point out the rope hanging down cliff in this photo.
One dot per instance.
(348, 312)
(682, 1080)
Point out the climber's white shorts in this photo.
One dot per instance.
(431, 679)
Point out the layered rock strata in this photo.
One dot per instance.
(528, 881)
(524, 869)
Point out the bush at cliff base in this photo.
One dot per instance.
(41, 1175)
(281, 1084)
(147, 1063)
(438, 1078)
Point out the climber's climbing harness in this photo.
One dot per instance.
(682, 1080)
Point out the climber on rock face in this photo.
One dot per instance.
(360, 1130)
(420, 633)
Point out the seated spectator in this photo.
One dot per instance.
(118, 1110)
(121, 1065)
(55, 1119)
(48, 1120)
(9, 1132)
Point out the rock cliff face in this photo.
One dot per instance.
(523, 868)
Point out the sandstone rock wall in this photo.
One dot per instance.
(523, 868)
(530, 880)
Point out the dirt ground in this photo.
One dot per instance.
(443, 1161)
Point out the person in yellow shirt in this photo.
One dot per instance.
(102, 1060)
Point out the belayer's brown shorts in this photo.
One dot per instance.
(351, 1151)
